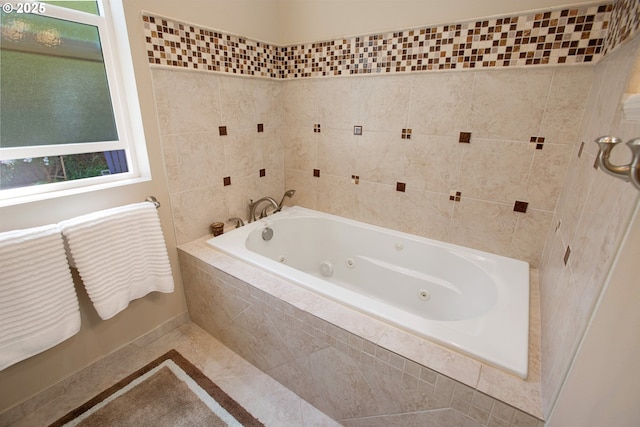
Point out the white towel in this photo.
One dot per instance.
(120, 254)
(38, 303)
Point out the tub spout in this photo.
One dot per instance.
(253, 206)
(288, 193)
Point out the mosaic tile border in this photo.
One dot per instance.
(625, 18)
(183, 45)
(565, 36)
(442, 390)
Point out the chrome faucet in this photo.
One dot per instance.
(239, 222)
(288, 193)
(254, 205)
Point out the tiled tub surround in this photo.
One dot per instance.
(216, 155)
(407, 183)
(212, 176)
(588, 225)
(308, 143)
(356, 369)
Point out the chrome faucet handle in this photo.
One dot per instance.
(253, 206)
(239, 222)
(606, 144)
(634, 172)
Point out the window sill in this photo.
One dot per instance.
(17, 199)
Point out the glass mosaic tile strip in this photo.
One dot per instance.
(563, 36)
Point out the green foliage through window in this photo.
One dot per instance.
(45, 170)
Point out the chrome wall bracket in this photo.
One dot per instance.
(628, 173)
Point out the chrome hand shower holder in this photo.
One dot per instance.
(628, 173)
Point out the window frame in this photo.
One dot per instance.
(126, 109)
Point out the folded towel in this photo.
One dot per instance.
(38, 302)
(120, 254)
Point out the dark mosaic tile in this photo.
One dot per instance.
(537, 142)
(567, 254)
(520, 206)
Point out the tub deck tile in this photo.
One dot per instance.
(448, 365)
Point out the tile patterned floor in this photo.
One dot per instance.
(261, 395)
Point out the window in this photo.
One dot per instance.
(69, 114)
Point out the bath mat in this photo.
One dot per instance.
(169, 391)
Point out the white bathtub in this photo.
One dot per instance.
(470, 301)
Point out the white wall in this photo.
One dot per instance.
(314, 20)
(257, 19)
(285, 22)
(603, 385)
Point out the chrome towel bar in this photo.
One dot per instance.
(152, 199)
(628, 173)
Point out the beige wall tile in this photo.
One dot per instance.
(271, 146)
(496, 170)
(529, 236)
(384, 103)
(433, 163)
(574, 193)
(598, 235)
(306, 186)
(300, 148)
(381, 157)
(376, 204)
(338, 152)
(547, 175)
(562, 118)
(194, 210)
(187, 101)
(509, 105)
(440, 103)
(241, 153)
(171, 162)
(483, 225)
(337, 195)
(615, 74)
(424, 214)
(300, 103)
(339, 101)
(200, 159)
(559, 343)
